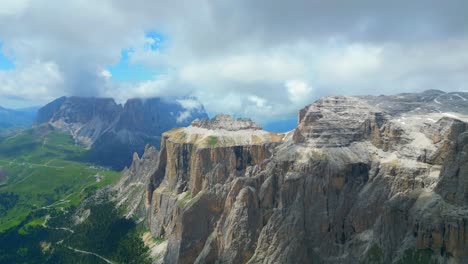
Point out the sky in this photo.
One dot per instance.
(263, 59)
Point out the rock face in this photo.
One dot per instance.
(111, 131)
(226, 122)
(361, 180)
(134, 182)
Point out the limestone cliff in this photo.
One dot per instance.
(361, 180)
(134, 182)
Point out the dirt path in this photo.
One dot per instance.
(91, 253)
(44, 225)
(31, 164)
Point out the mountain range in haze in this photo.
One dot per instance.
(113, 132)
(17, 118)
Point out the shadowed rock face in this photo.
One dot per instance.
(113, 132)
(354, 183)
(134, 182)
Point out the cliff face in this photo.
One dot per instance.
(113, 132)
(134, 182)
(361, 180)
(86, 119)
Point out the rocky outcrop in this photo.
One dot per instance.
(193, 181)
(86, 119)
(337, 121)
(113, 132)
(134, 182)
(354, 183)
(226, 122)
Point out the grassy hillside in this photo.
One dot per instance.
(44, 184)
(41, 169)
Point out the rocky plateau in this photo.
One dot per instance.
(369, 179)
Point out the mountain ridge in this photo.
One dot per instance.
(362, 179)
(112, 131)
(16, 118)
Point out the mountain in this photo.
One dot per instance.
(14, 119)
(112, 132)
(365, 179)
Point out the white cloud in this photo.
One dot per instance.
(248, 58)
(259, 102)
(36, 82)
(245, 68)
(12, 7)
(190, 104)
(352, 62)
(106, 74)
(183, 116)
(298, 91)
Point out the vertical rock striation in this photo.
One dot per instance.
(360, 180)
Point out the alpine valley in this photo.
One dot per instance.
(64, 165)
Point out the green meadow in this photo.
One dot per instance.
(43, 169)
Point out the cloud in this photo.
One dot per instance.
(106, 74)
(263, 59)
(245, 68)
(39, 82)
(12, 7)
(183, 116)
(189, 104)
(352, 62)
(298, 91)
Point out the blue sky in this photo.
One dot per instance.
(125, 70)
(5, 62)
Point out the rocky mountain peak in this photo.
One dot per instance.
(226, 122)
(336, 121)
(113, 132)
(371, 179)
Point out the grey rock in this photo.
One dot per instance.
(361, 180)
(226, 122)
(113, 132)
(134, 182)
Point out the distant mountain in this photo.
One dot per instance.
(114, 132)
(17, 118)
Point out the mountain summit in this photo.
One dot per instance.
(370, 179)
(113, 132)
